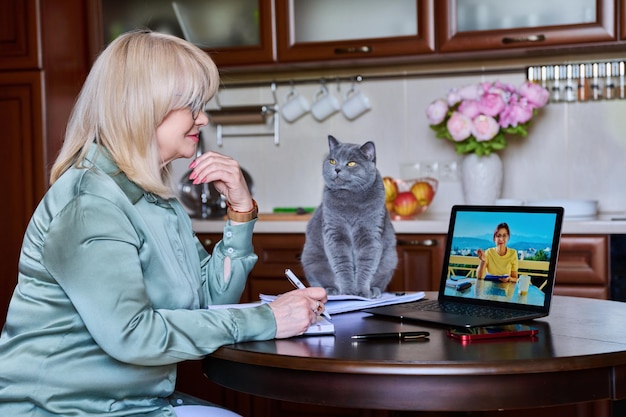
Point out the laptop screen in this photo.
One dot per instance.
(502, 255)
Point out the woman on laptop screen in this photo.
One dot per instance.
(500, 262)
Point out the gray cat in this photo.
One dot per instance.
(350, 243)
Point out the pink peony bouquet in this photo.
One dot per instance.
(477, 117)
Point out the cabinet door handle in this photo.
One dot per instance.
(531, 38)
(425, 242)
(207, 242)
(353, 50)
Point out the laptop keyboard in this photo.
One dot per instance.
(466, 310)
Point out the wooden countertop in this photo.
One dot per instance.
(427, 223)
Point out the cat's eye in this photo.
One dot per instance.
(351, 163)
(332, 161)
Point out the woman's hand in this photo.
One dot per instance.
(481, 255)
(225, 174)
(296, 310)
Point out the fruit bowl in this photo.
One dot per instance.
(405, 199)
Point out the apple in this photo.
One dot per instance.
(405, 204)
(423, 192)
(391, 189)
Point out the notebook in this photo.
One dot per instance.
(320, 327)
(345, 303)
(466, 301)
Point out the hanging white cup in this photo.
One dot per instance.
(295, 106)
(355, 103)
(324, 104)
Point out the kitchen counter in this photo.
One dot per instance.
(429, 223)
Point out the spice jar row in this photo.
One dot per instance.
(581, 82)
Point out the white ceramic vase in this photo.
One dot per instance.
(481, 178)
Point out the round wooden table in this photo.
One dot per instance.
(579, 355)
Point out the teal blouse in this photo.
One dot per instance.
(112, 292)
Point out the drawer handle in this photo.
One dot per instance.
(207, 242)
(531, 38)
(425, 242)
(354, 50)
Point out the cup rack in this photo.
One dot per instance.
(587, 81)
(265, 114)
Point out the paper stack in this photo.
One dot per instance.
(345, 303)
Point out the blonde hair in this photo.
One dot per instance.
(136, 81)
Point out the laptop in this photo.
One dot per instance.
(468, 300)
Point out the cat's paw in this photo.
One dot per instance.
(364, 293)
(375, 292)
(332, 291)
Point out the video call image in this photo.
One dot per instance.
(515, 250)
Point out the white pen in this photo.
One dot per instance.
(298, 284)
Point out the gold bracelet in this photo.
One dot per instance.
(243, 217)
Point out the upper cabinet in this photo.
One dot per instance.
(234, 32)
(271, 33)
(472, 25)
(19, 35)
(622, 19)
(333, 30)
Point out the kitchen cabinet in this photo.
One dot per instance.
(281, 34)
(21, 118)
(21, 167)
(19, 35)
(234, 32)
(330, 30)
(622, 19)
(420, 258)
(583, 266)
(43, 63)
(582, 269)
(479, 25)
(245, 32)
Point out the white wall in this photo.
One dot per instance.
(574, 150)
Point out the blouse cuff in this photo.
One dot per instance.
(237, 239)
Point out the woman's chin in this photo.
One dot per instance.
(190, 151)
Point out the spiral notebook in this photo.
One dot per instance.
(467, 301)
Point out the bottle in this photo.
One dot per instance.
(555, 90)
(569, 93)
(534, 75)
(582, 83)
(609, 85)
(621, 89)
(530, 71)
(596, 90)
(544, 77)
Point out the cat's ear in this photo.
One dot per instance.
(369, 150)
(332, 142)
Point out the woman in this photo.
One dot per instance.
(500, 260)
(113, 285)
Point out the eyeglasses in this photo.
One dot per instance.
(502, 236)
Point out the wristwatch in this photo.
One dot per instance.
(245, 216)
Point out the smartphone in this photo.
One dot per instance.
(468, 334)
